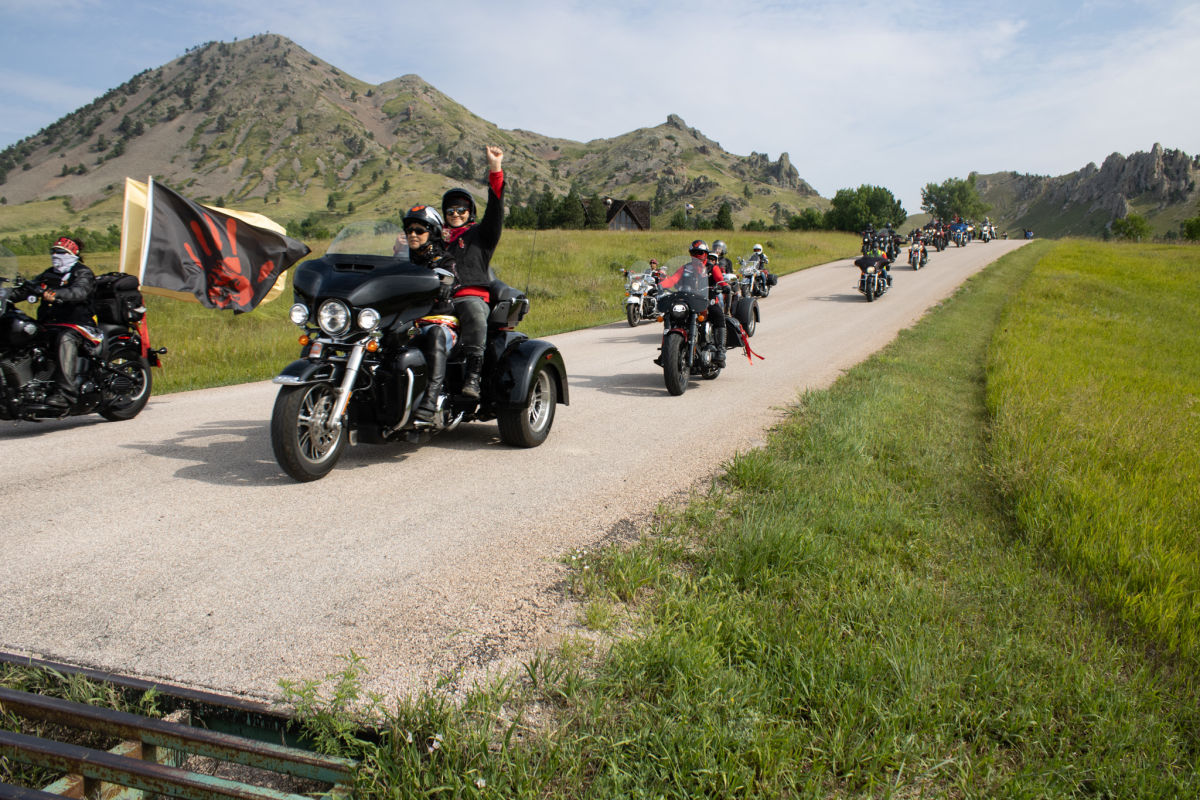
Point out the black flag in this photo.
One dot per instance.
(222, 260)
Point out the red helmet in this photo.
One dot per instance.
(699, 248)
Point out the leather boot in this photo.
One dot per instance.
(719, 341)
(435, 368)
(471, 379)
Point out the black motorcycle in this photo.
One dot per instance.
(688, 344)
(113, 376)
(361, 373)
(871, 282)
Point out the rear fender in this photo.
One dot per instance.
(514, 372)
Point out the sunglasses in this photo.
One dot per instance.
(457, 210)
(417, 229)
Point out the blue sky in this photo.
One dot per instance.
(896, 93)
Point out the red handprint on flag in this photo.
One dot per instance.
(225, 274)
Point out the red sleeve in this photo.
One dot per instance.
(496, 182)
(718, 276)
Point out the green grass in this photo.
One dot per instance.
(1095, 385)
(573, 279)
(850, 611)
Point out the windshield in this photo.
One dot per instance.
(690, 277)
(373, 237)
(8, 263)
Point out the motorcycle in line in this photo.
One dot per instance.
(871, 281)
(113, 377)
(689, 344)
(755, 282)
(361, 372)
(641, 295)
(918, 255)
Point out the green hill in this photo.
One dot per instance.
(262, 125)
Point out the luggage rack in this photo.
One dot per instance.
(256, 745)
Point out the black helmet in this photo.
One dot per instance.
(699, 248)
(458, 196)
(718, 247)
(427, 216)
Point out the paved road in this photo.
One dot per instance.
(173, 547)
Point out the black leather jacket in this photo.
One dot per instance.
(73, 296)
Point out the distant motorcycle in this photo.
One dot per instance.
(755, 282)
(641, 295)
(918, 255)
(871, 282)
(113, 378)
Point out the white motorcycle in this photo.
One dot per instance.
(641, 295)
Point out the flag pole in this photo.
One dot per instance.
(146, 229)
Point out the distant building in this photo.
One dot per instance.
(627, 215)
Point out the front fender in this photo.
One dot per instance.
(303, 370)
(514, 373)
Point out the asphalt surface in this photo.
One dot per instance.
(173, 547)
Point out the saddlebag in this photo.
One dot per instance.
(118, 300)
(772, 279)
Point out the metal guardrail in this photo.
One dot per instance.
(153, 752)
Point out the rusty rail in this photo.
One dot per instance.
(146, 742)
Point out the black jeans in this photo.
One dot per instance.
(472, 313)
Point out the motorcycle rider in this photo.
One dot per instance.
(67, 290)
(719, 256)
(472, 246)
(701, 259)
(423, 234)
(878, 259)
(757, 255)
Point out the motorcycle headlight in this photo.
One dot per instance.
(334, 317)
(29, 328)
(679, 310)
(870, 270)
(299, 313)
(635, 286)
(368, 318)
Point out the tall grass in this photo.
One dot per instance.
(1094, 382)
(573, 279)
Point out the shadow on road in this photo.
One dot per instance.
(630, 384)
(850, 297)
(23, 429)
(228, 453)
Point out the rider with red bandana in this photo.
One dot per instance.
(67, 289)
(471, 246)
(703, 259)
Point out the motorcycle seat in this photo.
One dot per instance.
(508, 305)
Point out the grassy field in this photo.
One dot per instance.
(1095, 387)
(573, 279)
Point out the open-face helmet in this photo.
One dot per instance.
(459, 198)
(718, 248)
(699, 248)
